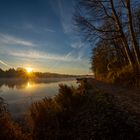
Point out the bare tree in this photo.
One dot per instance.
(109, 20)
(132, 32)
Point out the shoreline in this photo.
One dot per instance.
(49, 79)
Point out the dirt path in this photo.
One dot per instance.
(128, 99)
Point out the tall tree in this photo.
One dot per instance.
(109, 20)
(132, 32)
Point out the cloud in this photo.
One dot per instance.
(41, 55)
(80, 48)
(49, 30)
(3, 63)
(77, 45)
(71, 56)
(11, 40)
(64, 10)
(33, 28)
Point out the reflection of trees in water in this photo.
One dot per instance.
(21, 85)
(1, 84)
(26, 83)
(18, 84)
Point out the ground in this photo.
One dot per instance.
(128, 99)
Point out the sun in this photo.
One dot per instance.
(29, 69)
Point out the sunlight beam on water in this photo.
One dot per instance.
(20, 95)
(29, 85)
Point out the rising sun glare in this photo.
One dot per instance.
(29, 70)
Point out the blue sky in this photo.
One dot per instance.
(39, 34)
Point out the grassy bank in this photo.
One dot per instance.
(124, 76)
(74, 113)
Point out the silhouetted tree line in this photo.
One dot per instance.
(12, 73)
(113, 27)
(22, 73)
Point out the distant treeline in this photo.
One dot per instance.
(22, 73)
(12, 73)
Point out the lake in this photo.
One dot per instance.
(20, 94)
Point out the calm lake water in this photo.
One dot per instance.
(19, 95)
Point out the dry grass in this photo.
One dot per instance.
(124, 76)
(74, 113)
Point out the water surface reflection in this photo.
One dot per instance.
(19, 94)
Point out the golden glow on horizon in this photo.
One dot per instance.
(29, 69)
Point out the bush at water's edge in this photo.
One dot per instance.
(79, 114)
(75, 113)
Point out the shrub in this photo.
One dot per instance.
(51, 117)
(9, 130)
(125, 76)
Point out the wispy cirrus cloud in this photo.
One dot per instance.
(3, 63)
(77, 45)
(6, 39)
(33, 54)
(64, 10)
(58, 61)
(33, 28)
(49, 30)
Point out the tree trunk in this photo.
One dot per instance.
(123, 38)
(132, 33)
